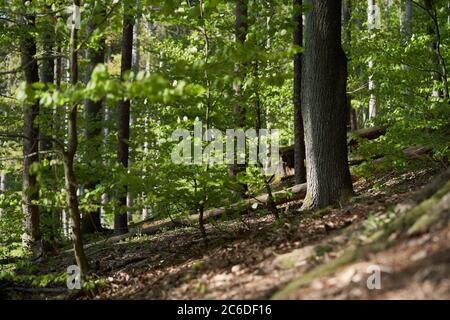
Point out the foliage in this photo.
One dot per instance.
(187, 73)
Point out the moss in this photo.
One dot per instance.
(320, 271)
(346, 195)
(322, 212)
(417, 219)
(423, 223)
(421, 216)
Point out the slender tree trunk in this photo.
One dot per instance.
(434, 31)
(120, 219)
(408, 18)
(91, 221)
(448, 15)
(57, 213)
(386, 13)
(324, 109)
(30, 187)
(371, 20)
(362, 111)
(299, 136)
(2, 186)
(137, 39)
(69, 155)
(45, 144)
(347, 14)
(239, 109)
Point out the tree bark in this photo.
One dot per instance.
(347, 15)
(299, 136)
(2, 186)
(239, 109)
(69, 155)
(371, 20)
(45, 143)
(91, 221)
(408, 17)
(434, 31)
(30, 187)
(324, 81)
(120, 218)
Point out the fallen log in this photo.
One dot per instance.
(37, 290)
(287, 153)
(415, 152)
(296, 192)
(367, 133)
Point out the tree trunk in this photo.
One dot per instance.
(91, 221)
(324, 109)
(57, 213)
(120, 219)
(371, 20)
(136, 38)
(30, 187)
(408, 17)
(239, 109)
(352, 123)
(45, 143)
(362, 111)
(434, 31)
(347, 15)
(2, 187)
(299, 136)
(69, 155)
(386, 13)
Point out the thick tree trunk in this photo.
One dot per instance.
(69, 155)
(30, 187)
(324, 109)
(91, 221)
(299, 136)
(120, 219)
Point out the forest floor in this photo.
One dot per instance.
(256, 257)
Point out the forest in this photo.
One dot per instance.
(241, 149)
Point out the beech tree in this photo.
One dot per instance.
(324, 107)
(30, 188)
(69, 156)
(299, 136)
(93, 94)
(95, 55)
(121, 220)
(45, 142)
(239, 108)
